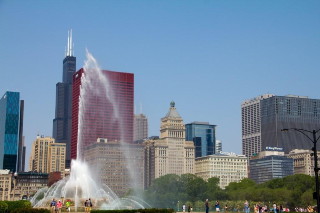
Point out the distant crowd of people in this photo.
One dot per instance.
(256, 208)
(56, 206)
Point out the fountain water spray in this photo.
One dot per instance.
(81, 184)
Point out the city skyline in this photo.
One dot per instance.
(208, 57)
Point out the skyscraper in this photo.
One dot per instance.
(102, 118)
(62, 121)
(171, 154)
(263, 118)
(21, 147)
(140, 127)
(203, 136)
(9, 130)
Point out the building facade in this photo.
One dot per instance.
(10, 150)
(5, 184)
(228, 167)
(26, 184)
(268, 165)
(171, 153)
(107, 111)
(303, 161)
(264, 117)
(118, 165)
(140, 127)
(47, 156)
(251, 125)
(203, 136)
(62, 122)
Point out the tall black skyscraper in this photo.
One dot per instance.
(62, 120)
(21, 147)
(263, 118)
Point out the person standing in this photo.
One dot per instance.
(226, 208)
(59, 206)
(274, 206)
(246, 207)
(184, 208)
(86, 206)
(89, 205)
(53, 205)
(206, 203)
(68, 205)
(217, 206)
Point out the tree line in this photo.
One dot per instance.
(172, 191)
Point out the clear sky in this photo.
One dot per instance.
(206, 55)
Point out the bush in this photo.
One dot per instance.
(28, 210)
(20, 204)
(134, 211)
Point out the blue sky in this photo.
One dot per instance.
(206, 55)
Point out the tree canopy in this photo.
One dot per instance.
(172, 191)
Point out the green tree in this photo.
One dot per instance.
(213, 188)
(194, 187)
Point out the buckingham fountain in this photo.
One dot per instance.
(81, 184)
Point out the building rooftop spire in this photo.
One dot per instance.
(172, 113)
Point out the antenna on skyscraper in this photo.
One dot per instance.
(71, 44)
(68, 47)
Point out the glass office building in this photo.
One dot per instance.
(203, 136)
(270, 166)
(9, 130)
(98, 117)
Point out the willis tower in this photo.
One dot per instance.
(62, 120)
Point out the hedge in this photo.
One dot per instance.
(134, 211)
(3, 206)
(20, 204)
(27, 210)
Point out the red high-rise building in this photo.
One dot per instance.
(99, 119)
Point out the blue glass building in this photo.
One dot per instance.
(203, 135)
(9, 130)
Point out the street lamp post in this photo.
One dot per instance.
(14, 185)
(314, 140)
